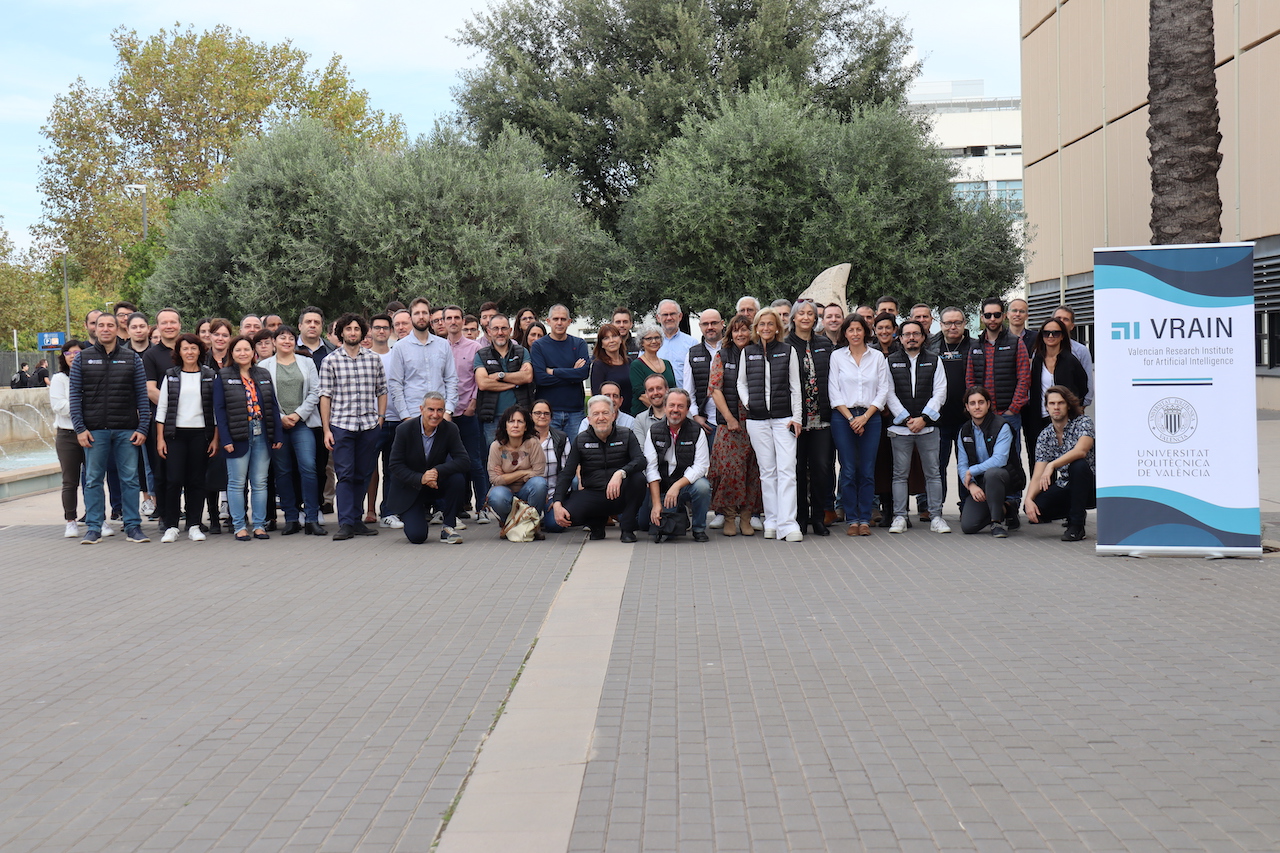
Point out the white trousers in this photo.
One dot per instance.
(775, 448)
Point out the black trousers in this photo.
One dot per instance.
(185, 471)
(975, 515)
(815, 474)
(1073, 501)
(590, 508)
(417, 519)
(71, 459)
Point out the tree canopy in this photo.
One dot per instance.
(765, 194)
(602, 85)
(311, 216)
(179, 103)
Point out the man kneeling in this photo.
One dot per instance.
(987, 468)
(1064, 483)
(675, 450)
(610, 467)
(428, 472)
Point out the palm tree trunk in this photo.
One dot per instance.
(1185, 205)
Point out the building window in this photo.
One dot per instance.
(1007, 194)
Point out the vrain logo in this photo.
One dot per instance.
(1120, 331)
(1172, 420)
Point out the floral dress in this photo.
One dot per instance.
(734, 474)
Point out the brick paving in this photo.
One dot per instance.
(925, 692)
(267, 696)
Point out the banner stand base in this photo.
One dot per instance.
(1175, 551)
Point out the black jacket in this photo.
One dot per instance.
(600, 459)
(173, 388)
(109, 391)
(408, 461)
(1068, 372)
(821, 347)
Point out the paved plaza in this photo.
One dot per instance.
(914, 692)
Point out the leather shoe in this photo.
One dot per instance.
(291, 527)
(344, 532)
(819, 529)
(362, 529)
(701, 536)
(596, 534)
(271, 525)
(629, 536)
(315, 528)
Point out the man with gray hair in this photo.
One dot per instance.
(783, 307)
(611, 482)
(427, 472)
(748, 306)
(675, 343)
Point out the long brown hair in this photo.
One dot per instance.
(599, 354)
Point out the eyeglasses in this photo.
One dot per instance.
(992, 315)
(649, 338)
(541, 414)
(912, 335)
(953, 322)
(709, 323)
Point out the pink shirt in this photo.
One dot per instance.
(464, 356)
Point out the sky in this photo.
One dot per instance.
(399, 51)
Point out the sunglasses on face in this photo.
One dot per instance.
(993, 315)
(1051, 333)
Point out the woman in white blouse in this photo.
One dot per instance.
(859, 387)
(70, 453)
(769, 387)
(185, 435)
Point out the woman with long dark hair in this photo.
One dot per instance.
(859, 387)
(70, 453)
(517, 465)
(734, 473)
(185, 435)
(524, 318)
(249, 428)
(1052, 363)
(610, 363)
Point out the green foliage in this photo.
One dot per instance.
(310, 216)
(602, 85)
(31, 298)
(770, 191)
(169, 119)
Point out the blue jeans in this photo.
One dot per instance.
(473, 440)
(490, 434)
(567, 422)
(355, 452)
(111, 445)
(857, 467)
(696, 496)
(298, 451)
(252, 468)
(533, 492)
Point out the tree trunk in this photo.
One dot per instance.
(1184, 137)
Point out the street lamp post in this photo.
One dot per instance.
(142, 187)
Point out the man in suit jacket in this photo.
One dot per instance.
(427, 472)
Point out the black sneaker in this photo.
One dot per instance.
(701, 536)
(628, 536)
(998, 532)
(1011, 517)
(1074, 533)
(362, 529)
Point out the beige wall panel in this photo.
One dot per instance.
(1040, 92)
(1128, 181)
(1229, 171)
(1083, 203)
(1040, 195)
(1127, 28)
(1034, 13)
(1224, 28)
(1081, 63)
(1259, 19)
(1259, 129)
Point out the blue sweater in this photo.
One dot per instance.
(563, 389)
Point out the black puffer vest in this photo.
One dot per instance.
(1005, 369)
(487, 401)
(108, 395)
(238, 401)
(1017, 476)
(173, 387)
(900, 370)
(821, 347)
(686, 449)
(779, 355)
(699, 361)
(729, 355)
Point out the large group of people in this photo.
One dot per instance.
(788, 419)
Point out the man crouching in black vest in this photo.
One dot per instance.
(675, 450)
(988, 465)
(610, 465)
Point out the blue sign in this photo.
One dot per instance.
(50, 340)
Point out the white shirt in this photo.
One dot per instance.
(853, 384)
(686, 382)
(695, 472)
(797, 409)
(60, 400)
(190, 413)
(933, 406)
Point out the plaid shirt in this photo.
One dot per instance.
(353, 386)
(1048, 448)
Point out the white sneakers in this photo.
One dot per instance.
(195, 534)
(716, 522)
(391, 521)
(939, 526)
(106, 529)
(170, 535)
(899, 524)
(148, 507)
(769, 532)
(482, 517)
(795, 536)
(757, 522)
(72, 531)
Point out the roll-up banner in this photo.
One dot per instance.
(1176, 401)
